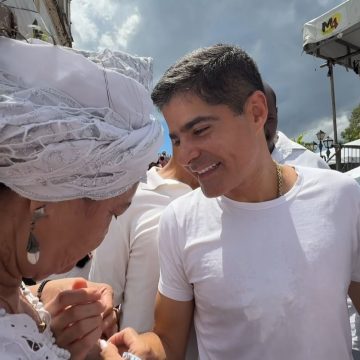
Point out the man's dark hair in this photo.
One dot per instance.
(270, 126)
(219, 74)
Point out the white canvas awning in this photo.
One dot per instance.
(335, 35)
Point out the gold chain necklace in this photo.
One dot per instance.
(279, 178)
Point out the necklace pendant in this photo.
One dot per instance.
(41, 326)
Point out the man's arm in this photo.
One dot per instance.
(169, 337)
(172, 324)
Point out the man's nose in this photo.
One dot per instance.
(187, 153)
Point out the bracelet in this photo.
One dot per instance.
(130, 356)
(41, 288)
(117, 311)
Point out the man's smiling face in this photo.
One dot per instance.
(213, 141)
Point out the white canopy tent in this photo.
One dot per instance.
(355, 174)
(335, 37)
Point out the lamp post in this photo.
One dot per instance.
(320, 136)
(327, 143)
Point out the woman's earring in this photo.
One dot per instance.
(33, 248)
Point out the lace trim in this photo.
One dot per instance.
(20, 337)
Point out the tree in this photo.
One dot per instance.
(352, 132)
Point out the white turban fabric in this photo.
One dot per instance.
(69, 128)
(136, 67)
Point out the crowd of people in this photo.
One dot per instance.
(240, 245)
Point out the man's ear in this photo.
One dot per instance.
(256, 107)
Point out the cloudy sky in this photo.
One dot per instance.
(269, 30)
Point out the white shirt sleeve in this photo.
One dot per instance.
(173, 280)
(128, 260)
(110, 260)
(142, 278)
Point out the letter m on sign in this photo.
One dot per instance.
(331, 24)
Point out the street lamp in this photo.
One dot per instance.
(328, 143)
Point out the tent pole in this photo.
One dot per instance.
(336, 144)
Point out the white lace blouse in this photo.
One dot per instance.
(20, 338)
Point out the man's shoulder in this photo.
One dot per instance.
(188, 206)
(329, 179)
(308, 158)
(195, 196)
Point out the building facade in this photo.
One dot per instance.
(48, 20)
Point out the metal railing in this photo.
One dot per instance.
(349, 157)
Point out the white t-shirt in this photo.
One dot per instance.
(128, 258)
(269, 279)
(287, 151)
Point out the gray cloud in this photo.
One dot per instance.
(271, 31)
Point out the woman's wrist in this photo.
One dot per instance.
(41, 288)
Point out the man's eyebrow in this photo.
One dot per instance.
(189, 125)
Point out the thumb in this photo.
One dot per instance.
(79, 284)
(109, 351)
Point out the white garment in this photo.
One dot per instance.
(269, 279)
(69, 128)
(135, 67)
(21, 339)
(289, 152)
(128, 257)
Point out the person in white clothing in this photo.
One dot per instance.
(75, 139)
(128, 258)
(263, 254)
(283, 150)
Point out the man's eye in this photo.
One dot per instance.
(201, 130)
(175, 142)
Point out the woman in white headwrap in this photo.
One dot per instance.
(74, 141)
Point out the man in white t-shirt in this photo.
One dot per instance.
(263, 254)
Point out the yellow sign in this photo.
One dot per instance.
(327, 27)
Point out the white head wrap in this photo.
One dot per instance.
(68, 127)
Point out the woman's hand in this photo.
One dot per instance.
(54, 287)
(128, 340)
(76, 319)
(109, 351)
